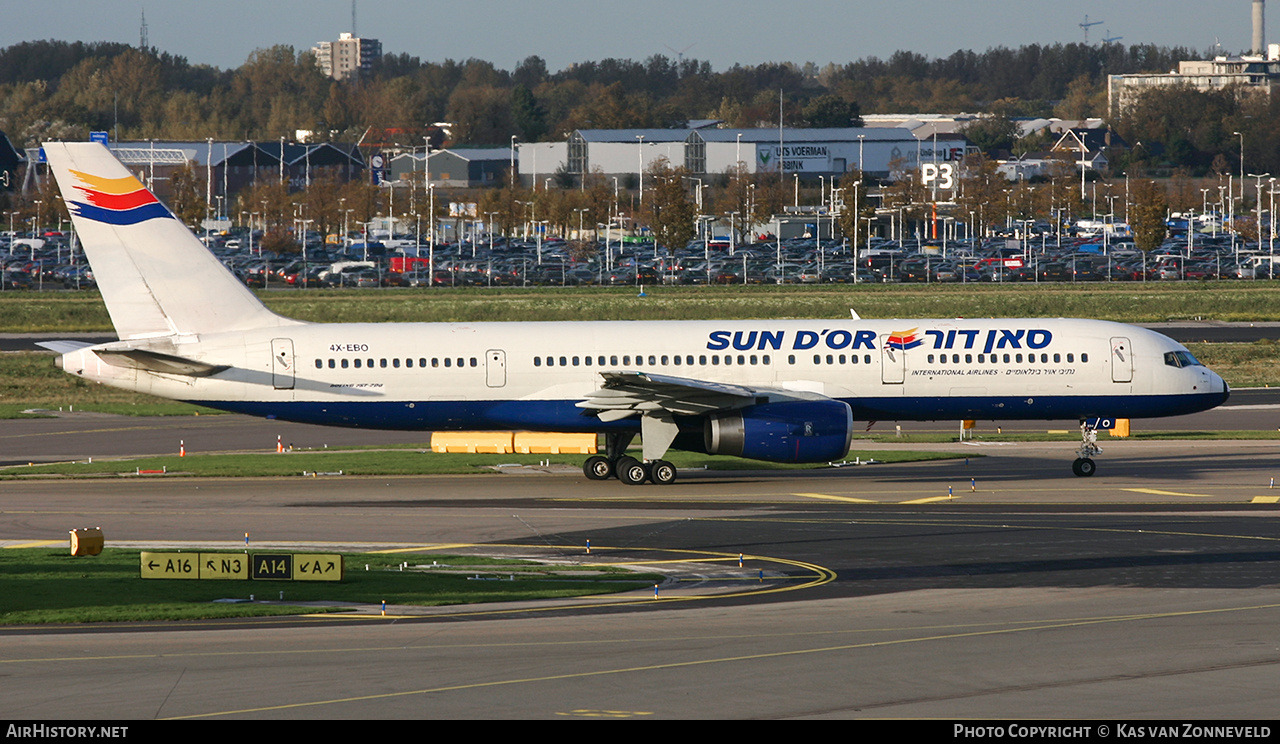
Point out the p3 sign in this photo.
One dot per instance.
(942, 175)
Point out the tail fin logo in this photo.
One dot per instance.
(116, 201)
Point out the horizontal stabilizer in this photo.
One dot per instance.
(153, 361)
(63, 347)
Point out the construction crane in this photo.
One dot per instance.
(1087, 23)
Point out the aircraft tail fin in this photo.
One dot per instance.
(156, 278)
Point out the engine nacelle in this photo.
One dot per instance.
(794, 431)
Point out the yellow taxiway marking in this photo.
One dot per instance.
(605, 713)
(419, 548)
(1265, 499)
(1168, 493)
(836, 498)
(38, 544)
(930, 500)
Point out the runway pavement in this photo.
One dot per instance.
(1004, 588)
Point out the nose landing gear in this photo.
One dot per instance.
(1084, 465)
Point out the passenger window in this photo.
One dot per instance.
(702, 359)
(357, 364)
(626, 360)
(1071, 358)
(1057, 358)
(614, 361)
(563, 362)
(652, 360)
(331, 364)
(791, 359)
(435, 361)
(575, 361)
(448, 362)
(344, 363)
(473, 361)
(394, 363)
(817, 359)
(664, 360)
(764, 359)
(587, 360)
(319, 364)
(537, 361)
(753, 358)
(676, 359)
(689, 360)
(1084, 358)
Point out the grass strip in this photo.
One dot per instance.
(45, 585)
(384, 462)
(1127, 302)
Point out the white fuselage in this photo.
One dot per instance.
(530, 375)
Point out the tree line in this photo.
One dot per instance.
(51, 89)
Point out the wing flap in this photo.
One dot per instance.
(630, 393)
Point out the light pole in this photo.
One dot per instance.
(640, 164)
(513, 161)
(1259, 178)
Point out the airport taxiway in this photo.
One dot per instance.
(1002, 588)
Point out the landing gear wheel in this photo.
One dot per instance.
(662, 472)
(597, 468)
(1083, 467)
(631, 471)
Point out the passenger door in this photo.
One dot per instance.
(495, 368)
(282, 363)
(1121, 360)
(893, 362)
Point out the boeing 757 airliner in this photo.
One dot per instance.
(777, 390)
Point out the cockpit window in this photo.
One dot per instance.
(1181, 359)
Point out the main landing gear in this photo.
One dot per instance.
(1084, 465)
(628, 469)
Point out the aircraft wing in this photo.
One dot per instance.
(638, 393)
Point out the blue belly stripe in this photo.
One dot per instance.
(564, 415)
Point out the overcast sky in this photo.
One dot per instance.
(223, 32)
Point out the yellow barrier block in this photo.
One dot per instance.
(553, 443)
(493, 442)
(86, 541)
(1121, 429)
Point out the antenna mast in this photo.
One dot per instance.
(142, 33)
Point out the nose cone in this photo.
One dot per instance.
(1218, 387)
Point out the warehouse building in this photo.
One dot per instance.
(706, 151)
